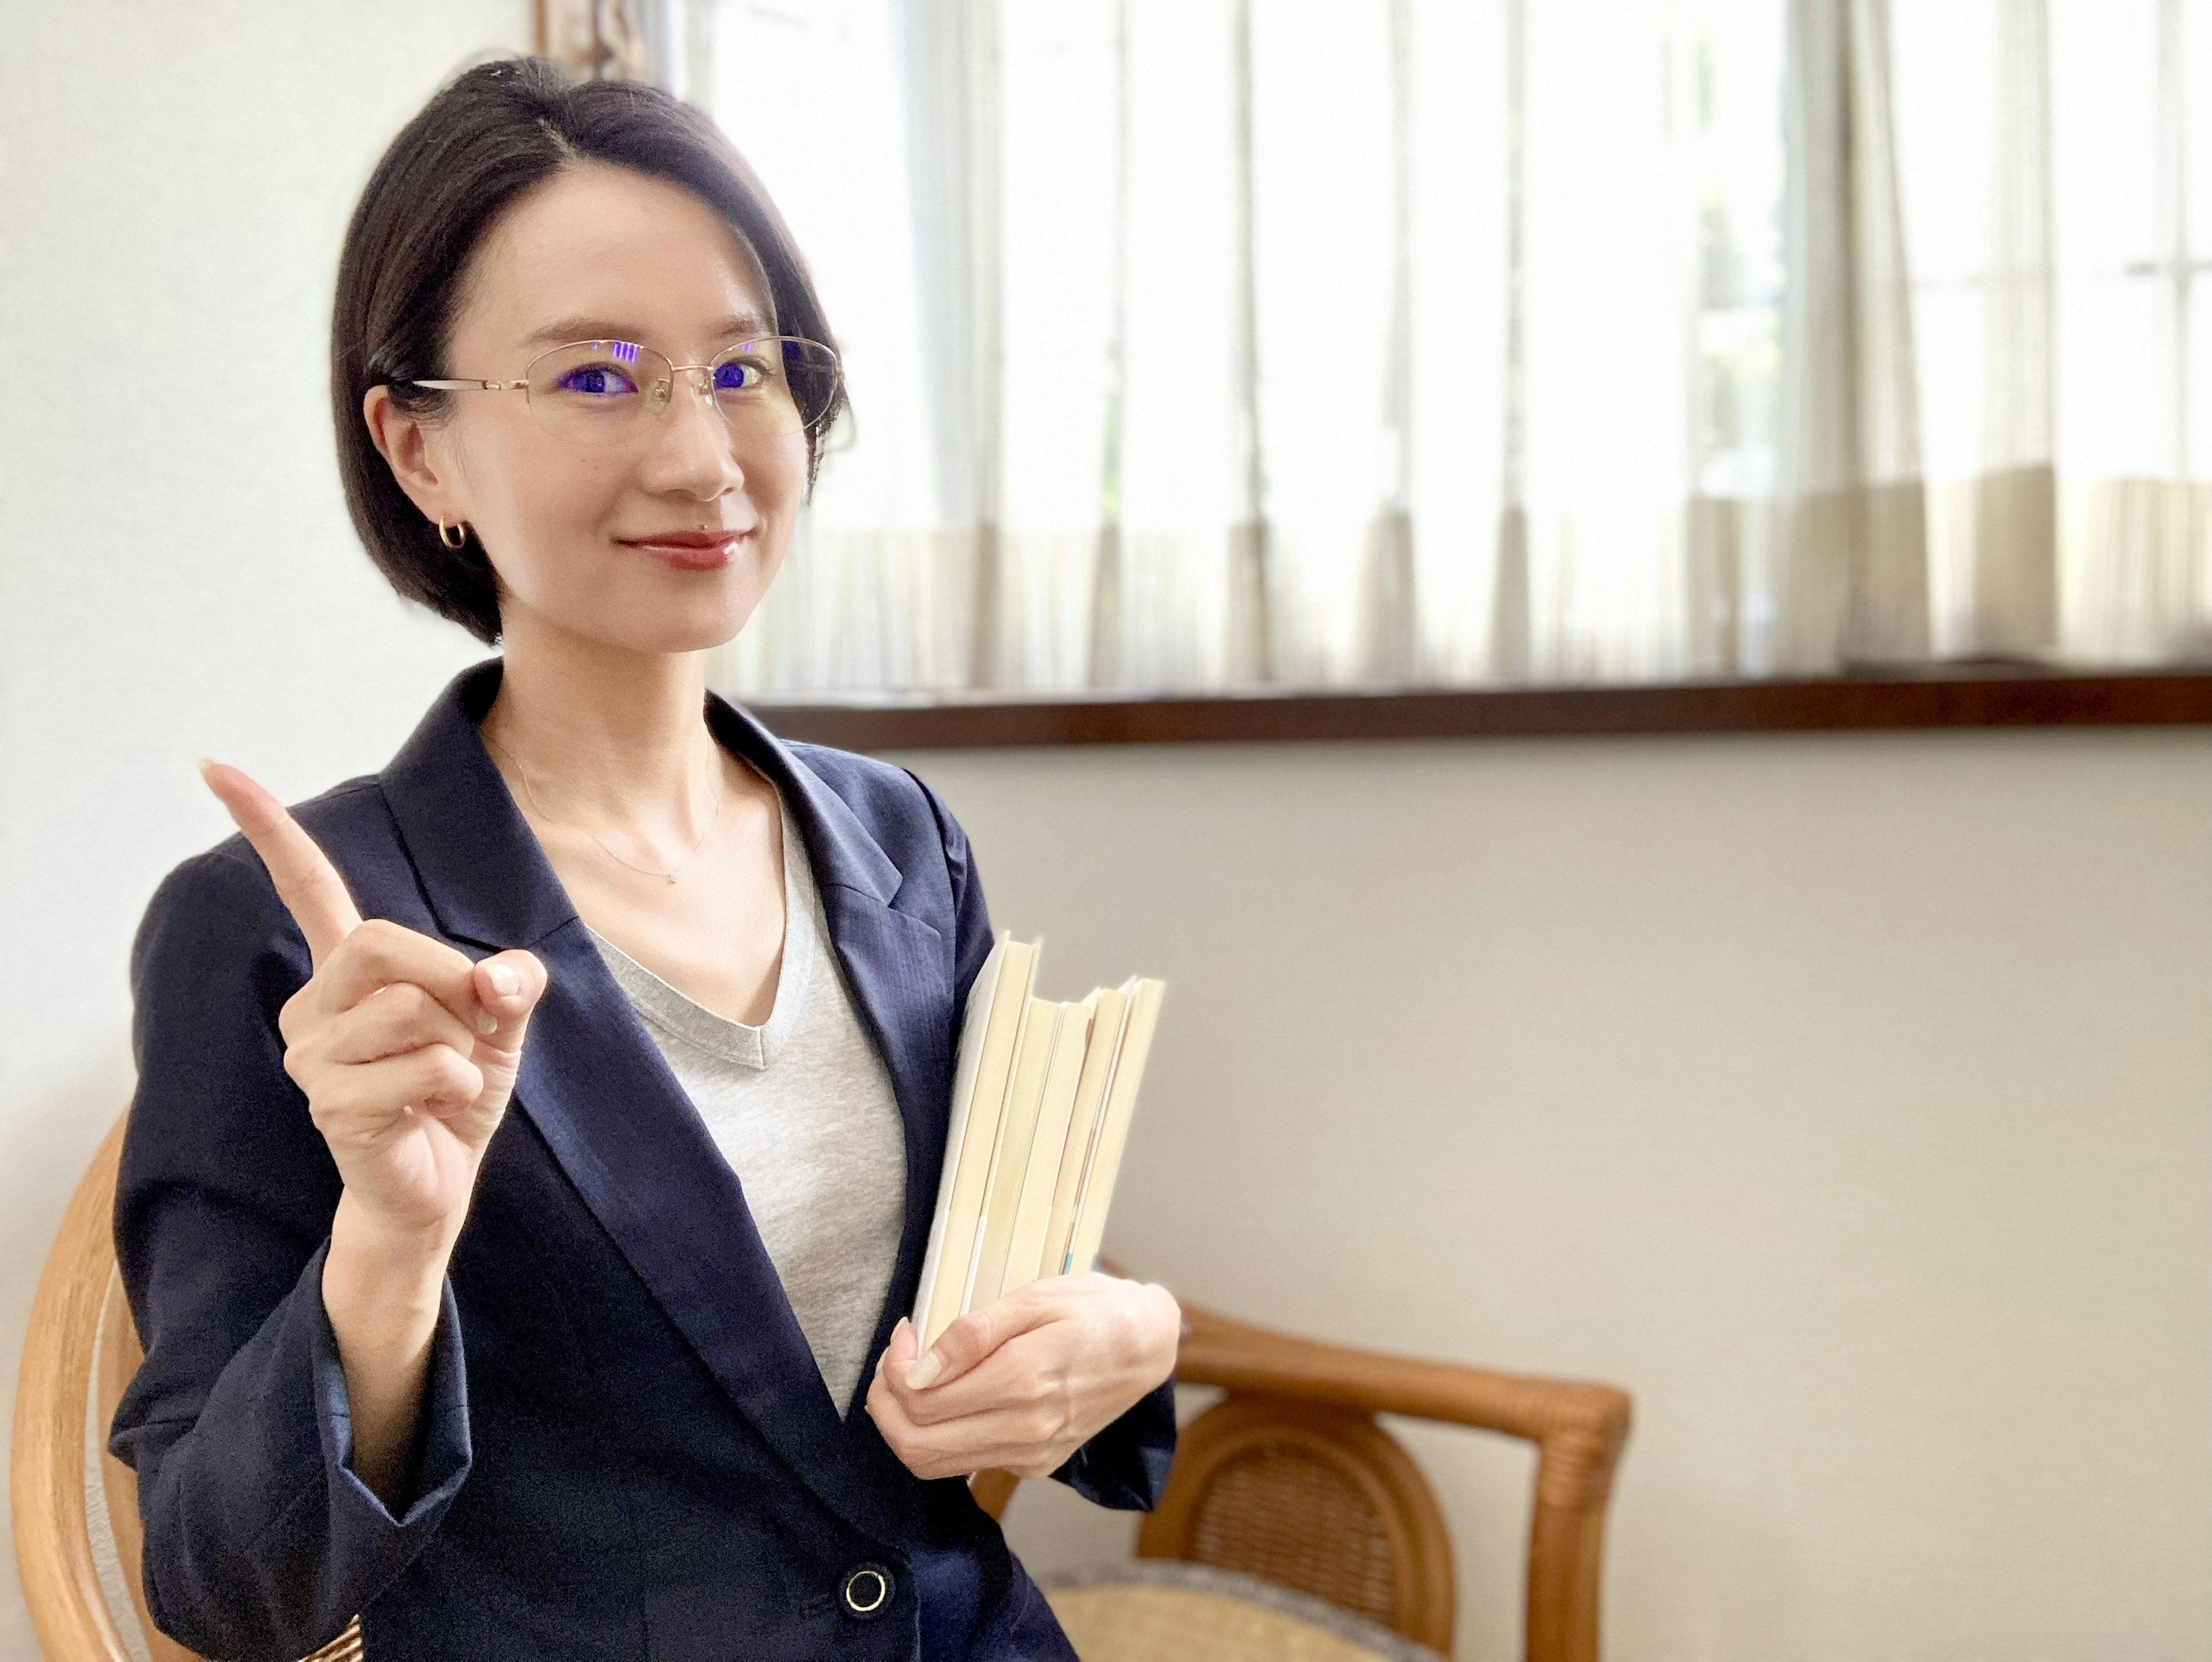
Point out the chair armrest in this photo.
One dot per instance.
(1219, 1351)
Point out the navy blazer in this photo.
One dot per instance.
(625, 1449)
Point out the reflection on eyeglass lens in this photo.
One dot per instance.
(596, 389)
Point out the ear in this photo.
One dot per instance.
(422, 466)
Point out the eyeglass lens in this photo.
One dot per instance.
(596, 392)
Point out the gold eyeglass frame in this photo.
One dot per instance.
(666, 389)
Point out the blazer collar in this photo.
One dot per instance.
(614, 1116)
(487, 878)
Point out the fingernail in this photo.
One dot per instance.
(504, 980)
(925, 1371)
(205, 765)
(487, 1023)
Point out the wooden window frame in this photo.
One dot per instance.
(1951, 696)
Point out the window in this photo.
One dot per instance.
(1199, 343)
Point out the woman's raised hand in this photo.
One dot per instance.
(406, 1050)
(1022, 1383)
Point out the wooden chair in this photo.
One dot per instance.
(1289, 1478)
(80, 1354)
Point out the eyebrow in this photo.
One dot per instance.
(562, 330)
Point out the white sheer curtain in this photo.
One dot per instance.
(1215, 343)
(2059, 179)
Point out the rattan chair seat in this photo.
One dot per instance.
(1163, 1609)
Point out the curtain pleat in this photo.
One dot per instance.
(1253, 604)
(1390, 645)
(1510, 620)
(954, 169)
(1853, 569)
(2014, 599)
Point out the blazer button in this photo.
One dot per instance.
(867, 1591)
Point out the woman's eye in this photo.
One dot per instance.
(596, 380)
(740, 376)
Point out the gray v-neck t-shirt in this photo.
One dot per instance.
(801, 1107)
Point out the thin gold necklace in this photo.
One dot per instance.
(713, 820)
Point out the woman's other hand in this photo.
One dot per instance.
(1022, 1383)
(406, 1050)
(407, 1053)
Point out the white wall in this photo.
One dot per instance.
(1845, 1098)
(177, 575)
(1848, 1100)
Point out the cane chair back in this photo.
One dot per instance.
(1289, 1478)
(78, 1358)
(1313, 1498)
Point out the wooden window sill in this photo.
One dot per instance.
(1951, 696)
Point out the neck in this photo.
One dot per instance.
(598, 735)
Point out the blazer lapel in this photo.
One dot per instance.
(606, 1104)
(897, 966)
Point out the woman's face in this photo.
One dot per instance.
(666, 540)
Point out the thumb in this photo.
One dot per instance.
(507, 986)
(898, 1355)
(970, 1338)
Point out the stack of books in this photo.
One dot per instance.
(1041, 1105)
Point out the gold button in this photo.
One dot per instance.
(867, 1591)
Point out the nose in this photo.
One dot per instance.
(694, 453)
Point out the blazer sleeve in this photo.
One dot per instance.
(260, 1542)
(1125, 1465)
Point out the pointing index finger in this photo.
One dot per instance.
(307, 882)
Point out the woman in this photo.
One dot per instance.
(521, 1268)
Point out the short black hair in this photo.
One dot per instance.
(483, 141)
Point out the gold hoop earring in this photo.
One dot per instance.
(455, 535)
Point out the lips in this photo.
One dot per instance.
(689, 550)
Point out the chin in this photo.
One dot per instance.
(707, 621)
(654, 611)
